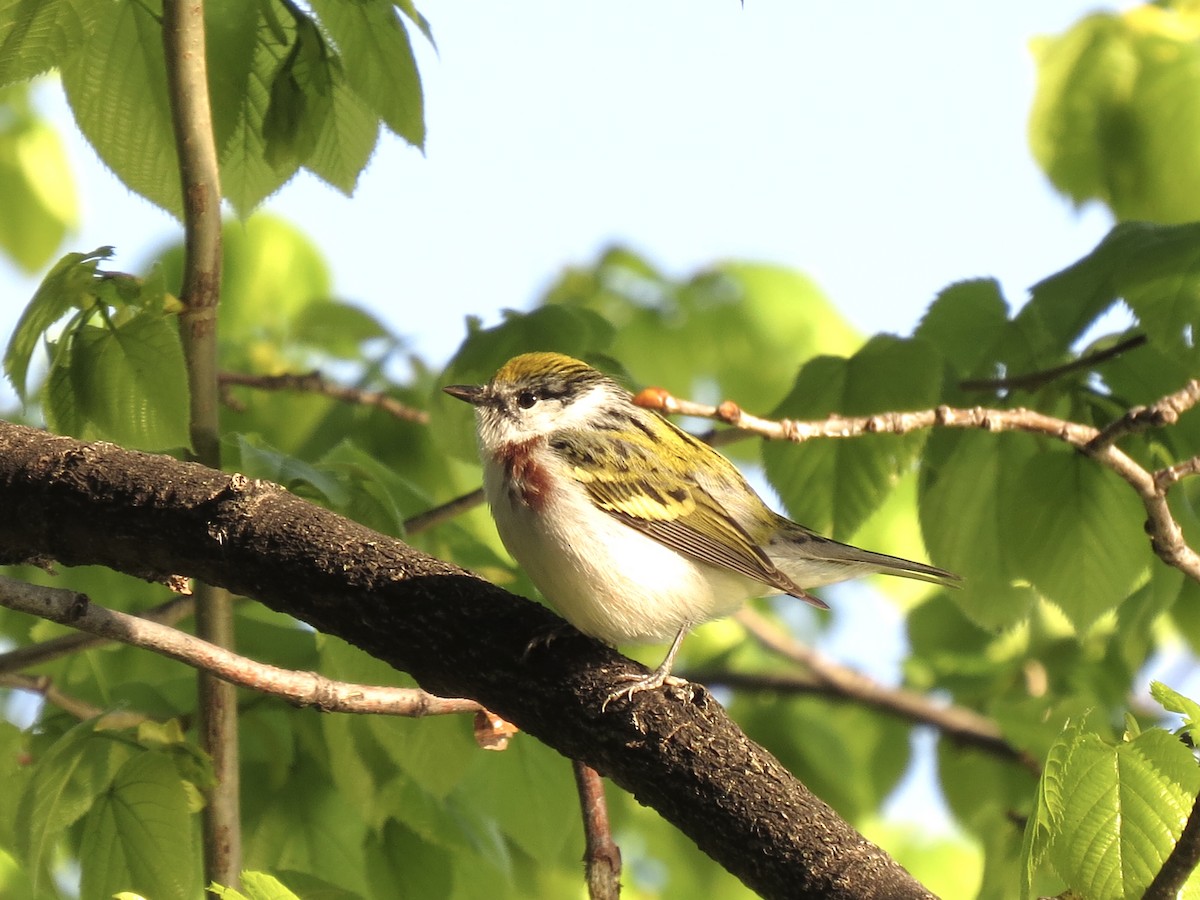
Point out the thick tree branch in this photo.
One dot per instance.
(301, 688)
(152, 516)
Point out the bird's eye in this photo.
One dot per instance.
(526, 399)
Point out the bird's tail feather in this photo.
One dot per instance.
(812, 561)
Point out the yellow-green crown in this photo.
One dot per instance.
(547, 367)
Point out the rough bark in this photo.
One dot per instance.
(153, 517)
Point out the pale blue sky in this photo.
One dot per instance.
(879, 147)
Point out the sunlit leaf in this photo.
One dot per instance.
(833, 484)
(1116, 116)
(138, 834)
(66, 286)
(1075, 531)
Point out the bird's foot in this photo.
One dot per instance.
(639, 683)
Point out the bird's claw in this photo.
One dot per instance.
(639, 683)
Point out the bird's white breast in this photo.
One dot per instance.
(604, 577)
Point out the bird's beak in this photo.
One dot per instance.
(475, 394)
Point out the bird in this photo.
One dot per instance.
(633, 529)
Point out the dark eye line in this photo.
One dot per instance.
(527, 398)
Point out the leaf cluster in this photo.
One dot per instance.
(292, 87)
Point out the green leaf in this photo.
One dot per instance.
(963, 323)
(1175, 702)
(116, 85)
(137, 836)
(1116, 115)
(528, 790)
(117, 90)
(257, 459)
(833, 485)
(339, 329)
(965, 478)
(308, 825)
(65, 287)
(377, 57)
(1155, 269)
(1074, 529)
(37, 35)
(347, 140)
(255, 886)
(65, 784)
(1046, 823)
(127, 384)
(301, 97)
(1113, 813)
(36, 183)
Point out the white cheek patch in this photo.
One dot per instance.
(583, 409)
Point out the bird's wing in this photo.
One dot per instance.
(662, 502)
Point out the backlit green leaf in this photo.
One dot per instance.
(35, 181)
(37, 35)
(1116, 811)
(66, 286)
(965, 477)
(138, 834)
(375, 51)
(1116, 116)
(127, 384)
(1075, 531)
(833, 484)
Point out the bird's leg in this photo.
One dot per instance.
(656, 679)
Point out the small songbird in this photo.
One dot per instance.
(633, 529)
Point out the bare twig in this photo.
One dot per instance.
(80, 709)
(1142, 418)
(1030, 381)
(191, 116)
(956, 722)
(47, 651)
(315, 383)
(1180, 863)
(602, 856)
(448, 510)
(301, 688)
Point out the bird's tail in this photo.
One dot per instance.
(812, 560)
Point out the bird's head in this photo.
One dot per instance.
(537, 394)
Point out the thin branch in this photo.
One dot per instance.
(191, 117)
(602, 856)
(1181, 862)
(80, 709)
(169, 613)
(1031, 381)
(958, 723)
(301, 688)
(315, 383)
(1142, 418)
(448, 510)
(1164, 478)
